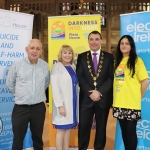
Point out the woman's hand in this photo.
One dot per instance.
(62, 111)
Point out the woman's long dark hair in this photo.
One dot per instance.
(132, 55)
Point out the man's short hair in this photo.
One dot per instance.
(95, 32)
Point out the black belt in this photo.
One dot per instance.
(29, 105)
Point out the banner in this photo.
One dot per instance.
(138, 26)
(71, 30)
(15, 33)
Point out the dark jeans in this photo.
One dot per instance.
(21, 116)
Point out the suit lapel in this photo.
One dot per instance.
(91, 66)
(91, 62)
(99, 58)
(101, 61)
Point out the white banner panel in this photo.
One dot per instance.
(15, 33)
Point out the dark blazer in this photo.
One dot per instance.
(104, 80)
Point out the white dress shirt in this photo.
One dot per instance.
(97, 56)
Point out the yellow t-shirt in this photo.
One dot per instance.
(127, 90)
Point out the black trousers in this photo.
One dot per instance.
(86, 115)
(21, 116)
(129, 135)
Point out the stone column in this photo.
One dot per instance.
(2, 4)
(108, 27)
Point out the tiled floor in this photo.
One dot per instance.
(111, 126)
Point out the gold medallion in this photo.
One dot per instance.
(94, 78)
(95, 84)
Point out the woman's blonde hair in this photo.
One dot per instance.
(68, 48)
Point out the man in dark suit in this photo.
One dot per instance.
(95, 73)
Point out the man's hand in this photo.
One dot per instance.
(95, 95)
(62, 111)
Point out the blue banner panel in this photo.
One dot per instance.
(138, 26)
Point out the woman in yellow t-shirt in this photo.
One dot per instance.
(130, 84)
